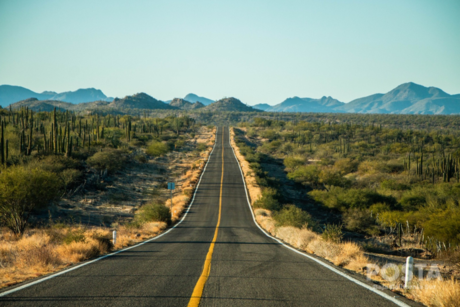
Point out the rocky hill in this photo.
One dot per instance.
(229, 104)
(140, 101)
(296, 104)
(185, 105)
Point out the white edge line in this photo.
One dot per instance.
(122, 250)
(382, 294)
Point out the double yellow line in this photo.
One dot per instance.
(198, 291)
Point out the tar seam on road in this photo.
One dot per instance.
(199, 287)
(382, 294)
(5, 293)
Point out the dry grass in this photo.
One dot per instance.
(437, 293)
(43, 251)
(347, 254)
(254, 190)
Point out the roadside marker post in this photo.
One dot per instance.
(114, 237)
(409, 271)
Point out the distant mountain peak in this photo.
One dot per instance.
(194, 98)
(230, 104)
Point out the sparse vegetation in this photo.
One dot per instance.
(69, 153)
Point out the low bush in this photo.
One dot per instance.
(342, 199)
(54, 163)
(307, 174)
(360, 221)
(140, 158)
(110, 160)
(23, 190)
(157, 149)
(390, 184)
(332, 233)
(293, 216)
(71, 177)
(293, 162)
(268, 200)
(154, 212)
(74, 235)
(200, 147)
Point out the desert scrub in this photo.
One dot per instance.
(290, 215)
(332, 233)
(54, 163)
(157, 149)
(111, 160)
(342, 199)
(154, 212)
(23, 190)
(268, 200)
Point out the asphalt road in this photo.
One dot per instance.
(247, 268)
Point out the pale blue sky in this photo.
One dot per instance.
(257, 51)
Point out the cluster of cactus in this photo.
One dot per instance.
(3, 144)
(344, 147)
(61, 132)
(446, 167)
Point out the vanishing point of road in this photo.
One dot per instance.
(216, 256)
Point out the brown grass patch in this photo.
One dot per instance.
(437, 293)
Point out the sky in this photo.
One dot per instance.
(257, 51)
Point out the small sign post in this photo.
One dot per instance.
(171, 187)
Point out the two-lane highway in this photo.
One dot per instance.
(216, 257)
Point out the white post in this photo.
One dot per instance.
(114, 237)
(409, 271)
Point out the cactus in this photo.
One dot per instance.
(55, 130)
(29, 147)
(69, 142)
(2, 142)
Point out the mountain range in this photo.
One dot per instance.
(140, 101)
(407, 98)
(11, 94)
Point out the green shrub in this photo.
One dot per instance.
(412, 202)
(293, 216)
(111, 160)
(268, 200)
(293, 162)
(332, 177)
(154, 212)
(444, 226)
(307, 174)
(346, 165)
(70, 177)
(332, 233)
(157, 149)
(23, 190)
(55, 163)
(342, 199)
(200, 147)
(179, 144)
(140, 158)
(360, 221)
(390, 184)
(77, 235)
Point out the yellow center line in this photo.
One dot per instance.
(198, 291)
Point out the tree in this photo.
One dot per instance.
(21, 191)
(307, 174)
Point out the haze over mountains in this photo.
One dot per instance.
(11, 94)
(407, 98)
